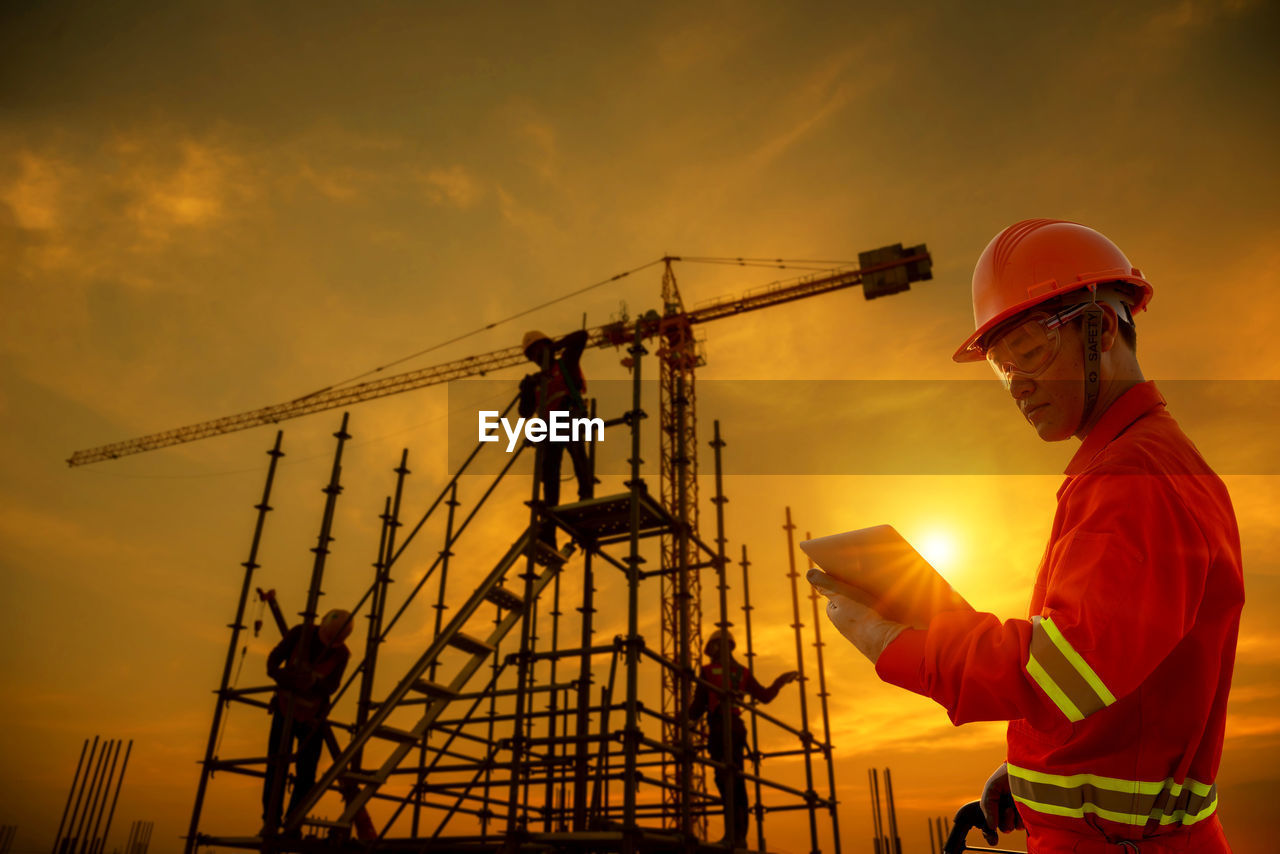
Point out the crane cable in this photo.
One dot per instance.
(778, 263)
(484, 328)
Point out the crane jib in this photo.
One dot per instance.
(911, 264)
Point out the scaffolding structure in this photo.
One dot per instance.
(506, 733)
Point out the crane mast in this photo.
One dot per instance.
(681, 589)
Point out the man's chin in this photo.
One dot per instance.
(1049, 432)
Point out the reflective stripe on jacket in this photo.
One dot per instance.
(1116, 686)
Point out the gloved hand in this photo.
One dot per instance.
(860, 625)
(997, 805)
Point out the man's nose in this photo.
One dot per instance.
(1021, 387)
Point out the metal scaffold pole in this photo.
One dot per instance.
(826, 717)
(583, 723)
(755, 726)
(279, 754)
(549, 794)
(731, 772)
(538, 524)
(806, 736)
(631, 729)
(237, 625)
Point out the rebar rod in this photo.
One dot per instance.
(75, 779)
(873, 786)
(106, 831)
(895, 840)
(91, 840)
(74, 842)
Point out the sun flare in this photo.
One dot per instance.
(939, 548)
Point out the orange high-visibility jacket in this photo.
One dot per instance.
(1116, 686)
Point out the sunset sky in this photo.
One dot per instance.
(210, 207)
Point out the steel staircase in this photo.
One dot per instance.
(435, 697)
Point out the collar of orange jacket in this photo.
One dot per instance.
(1132, 405)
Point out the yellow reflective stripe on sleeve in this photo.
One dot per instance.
(1062, 674)
(1082, 667)
(1050, 687)
(1135, 802)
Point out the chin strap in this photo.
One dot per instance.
(1092, 342)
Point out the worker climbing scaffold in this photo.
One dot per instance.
(307, 667)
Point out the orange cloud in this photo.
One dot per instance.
(453, 185)
(36, 193)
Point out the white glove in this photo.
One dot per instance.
(861, 626)
(997, 805)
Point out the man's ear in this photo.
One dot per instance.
(1110, 327)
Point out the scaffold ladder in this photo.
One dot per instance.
(545, 563)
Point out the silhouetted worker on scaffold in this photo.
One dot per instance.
(557, 385)
(306, 672)
(705, 700)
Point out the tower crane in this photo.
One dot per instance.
(880, 272)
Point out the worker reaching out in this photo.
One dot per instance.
(306, 670)
(732, 787)
(1116, 685)
(558, 384)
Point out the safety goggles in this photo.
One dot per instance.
(1027, 348)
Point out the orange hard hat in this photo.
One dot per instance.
(1036, 260)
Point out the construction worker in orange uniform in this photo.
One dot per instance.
(1116, 685)
(559, 369)
(740, 680)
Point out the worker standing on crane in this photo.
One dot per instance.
(307, 668)
(1116, 686)
(558, 385)
(719, 652)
